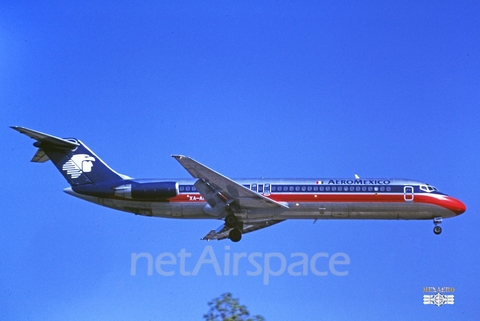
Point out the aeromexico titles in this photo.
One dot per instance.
(244, 205)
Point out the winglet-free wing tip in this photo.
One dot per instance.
(209, 236)
(178, 156)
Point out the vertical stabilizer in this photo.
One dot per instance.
(77, 163)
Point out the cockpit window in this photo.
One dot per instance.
(428, 188)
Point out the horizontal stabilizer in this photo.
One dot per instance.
(46, 139)
(40, 156)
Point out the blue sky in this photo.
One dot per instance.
(251, 89)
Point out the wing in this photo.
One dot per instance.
(220, 191)
(223, 231)
(223, 195)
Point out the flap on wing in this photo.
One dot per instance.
(222, 231)
(227, 187)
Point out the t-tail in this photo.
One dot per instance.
(77, 163)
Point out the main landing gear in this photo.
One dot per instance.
(232, 221)
(235, 235)
(437, 229)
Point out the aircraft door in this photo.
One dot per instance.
(408, 193)
(260, 188)
(266, 191)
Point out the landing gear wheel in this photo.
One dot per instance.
(437, 230)
(231, 221)
(235, 235)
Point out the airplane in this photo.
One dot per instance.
(244, 205)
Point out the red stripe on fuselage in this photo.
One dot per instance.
(444, 201)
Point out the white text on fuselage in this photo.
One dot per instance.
(195, 198)
(359, 182)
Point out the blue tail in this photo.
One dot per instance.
(77, 163)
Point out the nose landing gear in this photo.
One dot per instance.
(437, 229)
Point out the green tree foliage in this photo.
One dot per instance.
(228, 308)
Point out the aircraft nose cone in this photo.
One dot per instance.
(456, 206)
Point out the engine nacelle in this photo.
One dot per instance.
(147, 191)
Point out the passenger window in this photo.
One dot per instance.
(309, 188)
(260, 188)
(254, 187)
